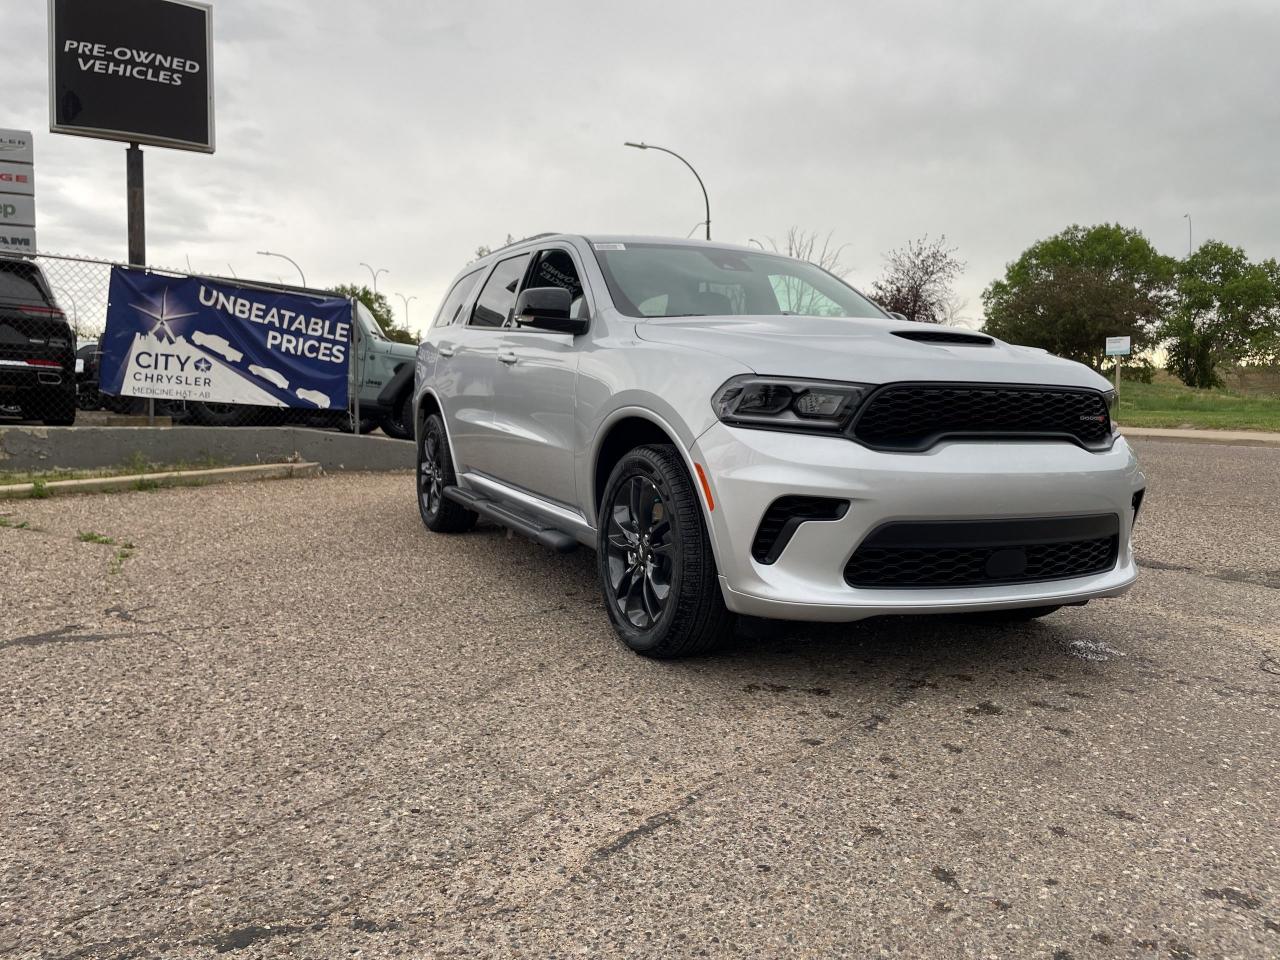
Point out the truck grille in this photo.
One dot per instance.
(984, 552)
(915, 416)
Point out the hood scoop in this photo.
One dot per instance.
(945, 337)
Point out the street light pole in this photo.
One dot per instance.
(1190, 246)
(268, 253)
(406, 307)
(706, 202)
(374, 273)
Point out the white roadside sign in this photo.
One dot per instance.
(15, 146)
(17, 177)
(1119, 346)
(17, 192)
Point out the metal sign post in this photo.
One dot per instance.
(136, 204)
(1119, 347)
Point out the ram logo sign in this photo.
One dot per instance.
(190, 338)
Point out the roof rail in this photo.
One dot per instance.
(536, 236)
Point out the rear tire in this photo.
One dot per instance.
(656, 567)
(435, 472)
(57, 409)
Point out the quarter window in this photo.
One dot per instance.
(493, 307)
(452, 306)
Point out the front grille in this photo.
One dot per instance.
(784, 517)
(984, 552)
(914, 416)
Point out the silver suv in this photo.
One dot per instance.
(735, 431)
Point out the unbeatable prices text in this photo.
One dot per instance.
(295, 334)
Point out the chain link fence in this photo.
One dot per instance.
(53, 311)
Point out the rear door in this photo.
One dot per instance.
(534, 398)
(467, 358)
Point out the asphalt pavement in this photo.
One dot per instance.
(285, 721)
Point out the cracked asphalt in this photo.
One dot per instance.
(290, 723)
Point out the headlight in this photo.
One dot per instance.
(777, 403)
(1112, 399)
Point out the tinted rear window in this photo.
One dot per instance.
(19, 284)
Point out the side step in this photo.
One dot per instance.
(527, 526)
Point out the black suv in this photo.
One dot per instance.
(37, 348)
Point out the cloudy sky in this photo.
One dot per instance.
(406, 133)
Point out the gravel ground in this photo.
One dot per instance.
(290, 723)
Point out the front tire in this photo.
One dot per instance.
(657, 571)
(399, 425)
(435, 472)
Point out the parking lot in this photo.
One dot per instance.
(286, 721)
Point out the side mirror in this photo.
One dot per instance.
(897, 316)
(547, 308)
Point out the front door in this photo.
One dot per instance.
(533, 410)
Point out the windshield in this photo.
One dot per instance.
(671, 280)
(368, 323)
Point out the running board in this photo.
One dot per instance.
(521, 523)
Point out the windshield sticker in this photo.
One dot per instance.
(610, 246)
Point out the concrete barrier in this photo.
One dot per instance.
(24, 448)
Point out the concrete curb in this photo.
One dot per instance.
(1237, 438)
(176, 478)
(37, 449)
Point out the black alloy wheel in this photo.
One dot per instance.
(641, 552)
(657, 570)
(435, 472)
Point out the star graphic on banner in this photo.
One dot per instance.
(203, 365)
(163, 319)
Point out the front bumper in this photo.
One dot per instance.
(749, 469)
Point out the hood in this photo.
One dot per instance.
(865, 350)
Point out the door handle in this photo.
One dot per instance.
(445, 351)
(508, 357)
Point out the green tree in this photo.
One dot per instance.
(1068, 293)
(1227, 311)
(380, 307)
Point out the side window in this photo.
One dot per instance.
(493, 307)
(452, 305)
(555, 268)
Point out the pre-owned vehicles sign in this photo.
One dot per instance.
(134, 70)
(190, 338)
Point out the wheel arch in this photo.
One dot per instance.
(626, 429)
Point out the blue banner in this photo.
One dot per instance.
(188, 338)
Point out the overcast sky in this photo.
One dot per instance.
(406, 133)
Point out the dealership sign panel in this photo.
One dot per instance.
(188, 338)
(134, 70)
(17, 192)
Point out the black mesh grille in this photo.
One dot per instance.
(984, 553)
(785, 515)
(915, 416)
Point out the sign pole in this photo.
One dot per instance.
(137, 206)
(135, 199)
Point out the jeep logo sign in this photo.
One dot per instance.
(140, 71)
